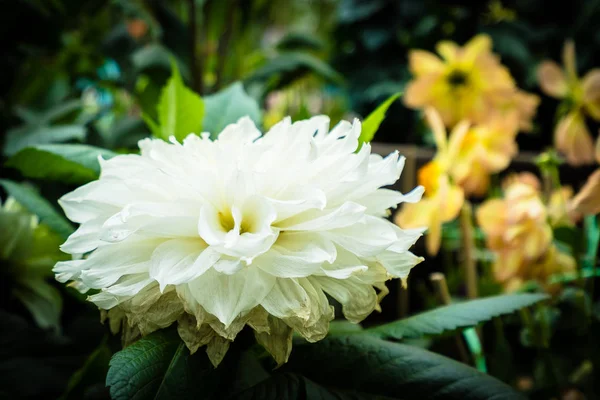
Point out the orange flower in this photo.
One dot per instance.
(582, 97)
(518, 231)
(443, 200)
(465, 83)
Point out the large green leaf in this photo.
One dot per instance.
(287, 386)
(370, 365)
(26, 136)
(372, 122)
(454, 316)
(71, 163)
(227, 106)
(39, 206)
(159, 366)
(180, 110)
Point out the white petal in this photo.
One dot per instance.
(366, 238)
(67, 270)
(398, 264)
(345, 215)
(287, 298)
(179, 261)
(358, 299)
(226, 296)
(285, 266)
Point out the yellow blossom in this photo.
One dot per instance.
(518, 231)
(465, 83)
(582, 97)
(486, 149)
(443, 199)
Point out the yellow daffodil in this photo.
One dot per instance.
(443, 199)
(465, 83)
(486, 149)
(518, 231)
(582, 97)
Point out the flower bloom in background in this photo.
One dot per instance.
(243, 230)
(518, 231)
(485, 149)
(581, 97)
(443, 199)
(466, 83)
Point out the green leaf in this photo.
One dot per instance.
(180, 110)
(159, 366)
(27, 136)
(454, 316)
(372, 122)
(70, 163)
(91, 373)
(288, 386)
(42, 300)
(289, 66)
(370, 365)
(227, 107)
(39, 206)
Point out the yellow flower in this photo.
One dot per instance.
(466, 83)
(443, 199)
(518, 231)
(486, 149)
(587, 200)
(582, 97)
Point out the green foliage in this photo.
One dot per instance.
(289, 66)
(36, 204)
(180, 110)
(371, 124)
(378, 368)
(44, 127)
(70, 163)
(159, 366)
(43, 301)
(454, 316)
(227, 106)
(95, 366)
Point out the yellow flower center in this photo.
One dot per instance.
(429, 177)
(457, 78)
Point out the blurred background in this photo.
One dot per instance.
(91, 71)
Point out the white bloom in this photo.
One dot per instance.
(244, 230)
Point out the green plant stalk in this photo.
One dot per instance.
(592, 232)
(476, 349)
(469, 262)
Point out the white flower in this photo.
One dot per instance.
(244, 230)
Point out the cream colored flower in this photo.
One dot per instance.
(243, 230)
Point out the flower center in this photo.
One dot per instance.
(457, 78)
(228, 222)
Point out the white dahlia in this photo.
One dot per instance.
(243, 230)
